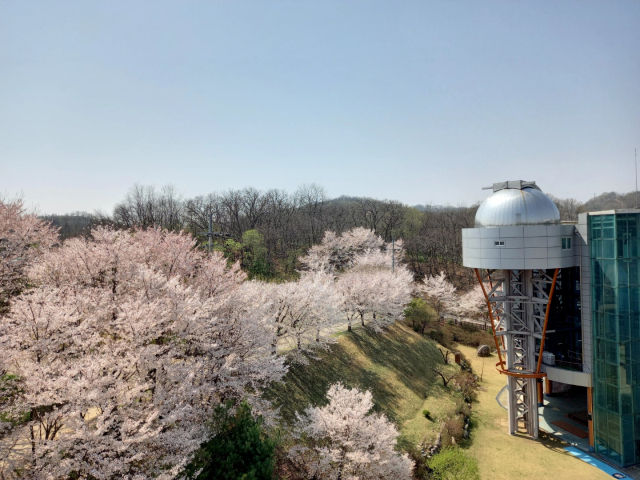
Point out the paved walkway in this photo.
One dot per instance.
(608, 469)
(557, 409)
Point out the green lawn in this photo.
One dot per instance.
(504, 457)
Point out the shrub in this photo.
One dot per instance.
(452, 430)
(426, 413)
(448, 335)
(453, 464)
(421, 467)
(467, 383)
(420, 314)
(437, 335)
(462, 408)
(239, 449)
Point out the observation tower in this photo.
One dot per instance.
(518, 250)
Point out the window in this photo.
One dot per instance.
(566, 243)
(499, 243)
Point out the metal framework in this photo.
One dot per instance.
(519, 303)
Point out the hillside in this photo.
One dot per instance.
(395, 366)
(610, 201)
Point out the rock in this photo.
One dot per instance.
(483, 351)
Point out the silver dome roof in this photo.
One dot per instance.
(517, 203)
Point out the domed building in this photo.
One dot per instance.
(564, 304)
(517, 203)
(518, 227)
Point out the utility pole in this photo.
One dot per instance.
(393, 254)
(636, 162)
(210, 232)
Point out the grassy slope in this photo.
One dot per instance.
(394, 366)
(503, 456)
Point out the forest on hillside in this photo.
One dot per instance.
(268, 230)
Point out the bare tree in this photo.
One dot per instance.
(446, 377)
(445, 354)
(568, 208)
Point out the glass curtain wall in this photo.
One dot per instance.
(565, 320)
(616, 335)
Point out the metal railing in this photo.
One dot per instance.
(465, 323)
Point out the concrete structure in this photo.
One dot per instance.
(572, 291)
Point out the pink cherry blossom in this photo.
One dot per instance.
(124, 347)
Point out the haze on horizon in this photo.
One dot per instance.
(414, 101)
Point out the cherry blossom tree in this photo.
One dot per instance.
(303, 312)
(439, 290)
(390, 295)
(470, 304)
(123, 349)
(338, 252)
(372, 288)
(354, 289)
(23, 237)
(344, 440)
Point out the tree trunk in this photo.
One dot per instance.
(33, 442)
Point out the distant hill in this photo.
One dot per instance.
(73, 224)
(429, 208)
(610, 201)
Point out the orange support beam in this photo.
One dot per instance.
(493, 328)
(540, 393)
(546, 319)
(590, 413)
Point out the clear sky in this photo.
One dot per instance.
(411, 100)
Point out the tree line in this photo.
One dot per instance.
(269, 230)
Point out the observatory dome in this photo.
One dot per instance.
(517, 203)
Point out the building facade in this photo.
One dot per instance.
(615, 310)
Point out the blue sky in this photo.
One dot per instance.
(411, 100)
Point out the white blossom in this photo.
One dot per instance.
(344, 440)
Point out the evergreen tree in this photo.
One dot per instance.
(239, 450)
